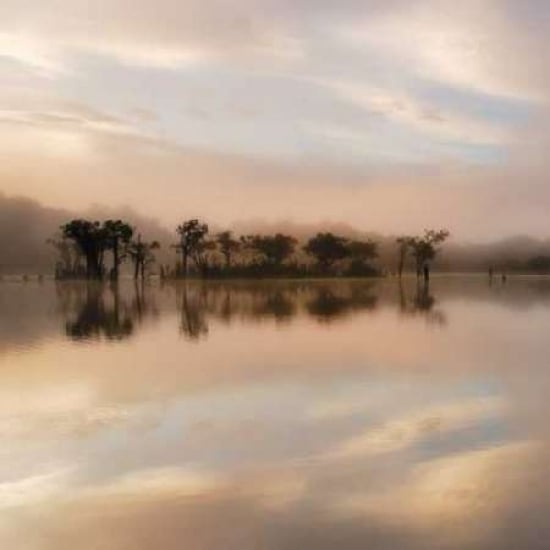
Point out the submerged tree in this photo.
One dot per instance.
(424, 249)
(118, 235)
(192, 235)
(90, 238)
(142, 255)
(362, 250)
(404, 243)
(327, 249)
(361, 253)
(202, 255)
(228, 246)
(70, 256)
(274, 249)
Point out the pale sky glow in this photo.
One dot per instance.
(361, 112)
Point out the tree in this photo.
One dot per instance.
(228, 246)
(118, 234)
(403, 244)
(327, 249)
(539, 263)
(90, 238)
(69, 257)
(274, 248)
(361, 253)
(142, 255)
(192, 234)
(362, 250)
(424, 249)
(201, 255)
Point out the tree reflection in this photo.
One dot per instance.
(199, 304)
(100, 315)
(422, 303)
(94, 310)
(328, 304)
(193, 311)
(113, 312)
(276, 304)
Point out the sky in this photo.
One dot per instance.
(388, 115)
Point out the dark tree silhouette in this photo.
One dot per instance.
(192, 234)
(228, 246)
(90, 238)
(118, 235)
(68, 265)
(424, 249)
(538, 263)
(202, 255)
(404, 243)
(274, 249)
(142, 255)
(327, 249)
(361, 253)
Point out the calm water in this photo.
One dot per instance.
(280, 416)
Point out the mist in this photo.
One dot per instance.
(26, 225)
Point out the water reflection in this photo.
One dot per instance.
(328, 304)
(329, 405)
(201, 303)
(193, 307)
(423, 303)
(97, 311)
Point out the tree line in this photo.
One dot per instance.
(96, 250)
(83, 246)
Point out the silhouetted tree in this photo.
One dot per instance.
(539, 263)
(202, 254)
(192, 234)
(90, 239)
(404, 243)
(118, 235)
(142, 255)
(275, 249)
(228, 246)
(69, 257)
(361, 253)
(327, 249)
(424, 248)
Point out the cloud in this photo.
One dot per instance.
(365, 113)
(475, 45)
(426, 119)
(401, 433)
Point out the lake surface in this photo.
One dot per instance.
(279, 416)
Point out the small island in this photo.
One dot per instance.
(96, 250)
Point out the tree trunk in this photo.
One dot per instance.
(184, 262)
(116, 261)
